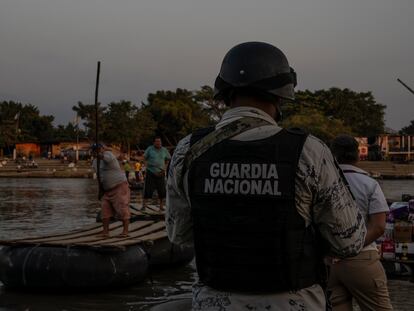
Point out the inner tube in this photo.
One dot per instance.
(165, 253)
(31, 266)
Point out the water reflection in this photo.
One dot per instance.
(393, 189)
(39, 206)
(162, 288)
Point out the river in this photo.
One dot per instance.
(31, 207)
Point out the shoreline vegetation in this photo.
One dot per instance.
(46, 169)
(55, 169)
(172, 114)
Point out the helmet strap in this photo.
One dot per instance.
(279, 115)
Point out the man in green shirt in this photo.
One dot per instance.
(157, 158)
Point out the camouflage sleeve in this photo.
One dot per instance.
(178, 212)
(322, 197)
(335, 212)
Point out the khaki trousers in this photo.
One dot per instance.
(362, 277)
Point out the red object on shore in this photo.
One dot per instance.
(388, 249)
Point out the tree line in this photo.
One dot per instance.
(174, 114)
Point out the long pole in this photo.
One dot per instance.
(77, 145)
(98, 71)
(77, 137)
(406, 86)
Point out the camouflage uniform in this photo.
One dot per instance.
(321, 198)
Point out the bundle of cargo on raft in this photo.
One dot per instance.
(396, 245)
(85, 259)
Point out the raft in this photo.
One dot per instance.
(84, 260)
(151, 212)
(136, 185)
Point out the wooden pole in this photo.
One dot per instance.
(98, 71)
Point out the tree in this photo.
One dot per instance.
(70, 132)
(24, 123)
(213, 108)
(357, 111)
(314, 122)
(126, 124)
(176, 114)
(146, 126)
(87, 113)
(408, 130)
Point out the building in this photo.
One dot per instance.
(396, 147)
(51, 149)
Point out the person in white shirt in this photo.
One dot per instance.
(361, 277)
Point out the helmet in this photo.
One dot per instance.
(256, 65)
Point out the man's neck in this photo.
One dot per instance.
(269, 108)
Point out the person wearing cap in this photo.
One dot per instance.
(115, 189)
(361, 277)
(257, 200)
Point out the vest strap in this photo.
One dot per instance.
(228, 131)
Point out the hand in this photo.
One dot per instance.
(161, 173)
(329, 260)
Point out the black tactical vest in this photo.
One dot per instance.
(248, 235)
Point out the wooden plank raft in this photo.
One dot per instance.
(140, 232)
(150, 210)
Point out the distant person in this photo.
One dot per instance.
(115, 189)
(137, 169)
(127, 168)
(257, 200)
(362, 276)
(143, 169)
(156, 157)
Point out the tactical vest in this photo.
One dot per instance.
(248, 235)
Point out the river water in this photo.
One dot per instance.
(31, 207)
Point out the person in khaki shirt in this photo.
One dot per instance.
(362, 276)
(227, 193)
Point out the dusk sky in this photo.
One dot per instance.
(49, 48)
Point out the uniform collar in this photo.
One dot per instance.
(240, 112)
(352, 168)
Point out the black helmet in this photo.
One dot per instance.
(256, 65)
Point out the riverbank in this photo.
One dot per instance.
(388, 169)
(44, 168)
(82, 169)
(48, 174)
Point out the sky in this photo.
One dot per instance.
(49, 48)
